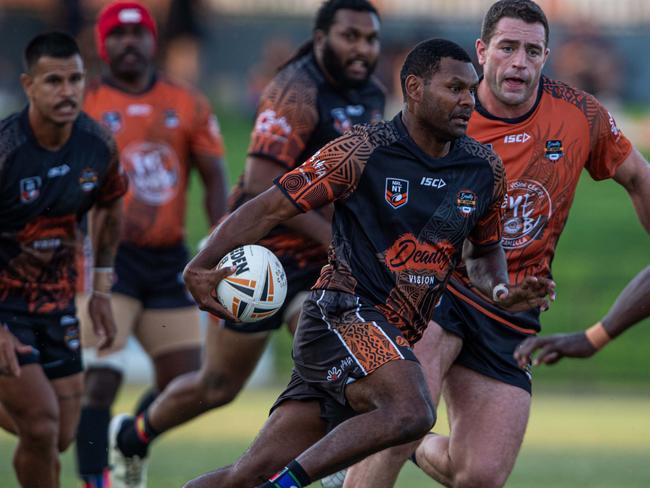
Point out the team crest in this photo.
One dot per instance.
(397, 192)
(171, 119)
(466, 202)
(112, 121)
(553, 150)
(30, 189)
(342, 122)
(88, 179)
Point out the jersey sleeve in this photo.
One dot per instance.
(608, 145)
(286, 118)
(205, 135)
(488, 229)
(331, 174)
(116, 182)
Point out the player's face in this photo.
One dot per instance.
(513, 61)
(349, 50)
(130, 49)
(448, 99)
(55, 88)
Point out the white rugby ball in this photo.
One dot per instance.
(257, 289)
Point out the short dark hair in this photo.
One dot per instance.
(52, 44)
(424, 59)
(327, 11)
(525, 10)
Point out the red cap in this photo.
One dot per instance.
(117, 14)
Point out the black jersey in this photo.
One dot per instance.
(299, 112)
(43, 196)
(401, 216)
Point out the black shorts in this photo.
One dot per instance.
(490, 337)
(299, 279)
(339, 340)
(153, 276)
(55, 341)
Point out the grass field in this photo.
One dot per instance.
(573, 441)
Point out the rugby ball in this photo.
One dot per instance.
(258, 287)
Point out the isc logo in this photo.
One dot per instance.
(432, 182)
(512, 138)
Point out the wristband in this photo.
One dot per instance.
(499, 289)
(102, 294)
(597, 336)
(102, 279)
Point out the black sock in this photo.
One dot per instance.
(135, 435)
(92, 441)
(146, 399)
(292, 475)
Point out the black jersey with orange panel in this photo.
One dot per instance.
(544, 153)
(43, 196)
(401, 216)
(299, 112)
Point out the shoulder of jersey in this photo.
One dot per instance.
(12, 136)
(87, 124)
(475, 148)
(297, 75)
(382, 133)
(378, 85)
(567, 93)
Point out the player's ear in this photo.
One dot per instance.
(26, 81)
(319, 41)
(414, 86)
(481, 48)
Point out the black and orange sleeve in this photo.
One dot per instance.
(488, 229)
(116, 182)
(286, 118)
(331, 174)
(608, 145)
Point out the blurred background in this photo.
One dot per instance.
(590, 424)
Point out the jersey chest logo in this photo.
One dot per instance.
(466, 201)
(30, 189)
(396, 192)
(553, 150)
(112, 121)
(527, 212)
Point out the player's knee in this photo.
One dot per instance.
(65, 439)
(40, 430)
(218, 389)
(480, 477)
(415, 419)
(101, 387)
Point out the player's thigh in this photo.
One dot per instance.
(488, 420)
(68, 392)
(436, 351)
(30, 401)
(126, 312)
(230, 357)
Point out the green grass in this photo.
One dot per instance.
(572, 441)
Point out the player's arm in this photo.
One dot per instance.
(308, 187)
(634, 175)
(259, 176)
(631, 306)
(488, 271)
(105, 225)
(213, 175)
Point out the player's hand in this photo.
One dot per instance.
(532, 292)
(101, 314)
(9, 347)
(202, 284)
(553, 348)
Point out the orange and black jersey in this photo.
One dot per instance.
(544, 153)
(157, 132)
(401, 217)
(43, 196)
(299, 112)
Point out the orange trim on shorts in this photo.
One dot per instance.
(484, 311)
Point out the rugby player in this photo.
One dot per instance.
(315, 97)
(356, 386)
(55, 164)
(546, 132)
(164, 131)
